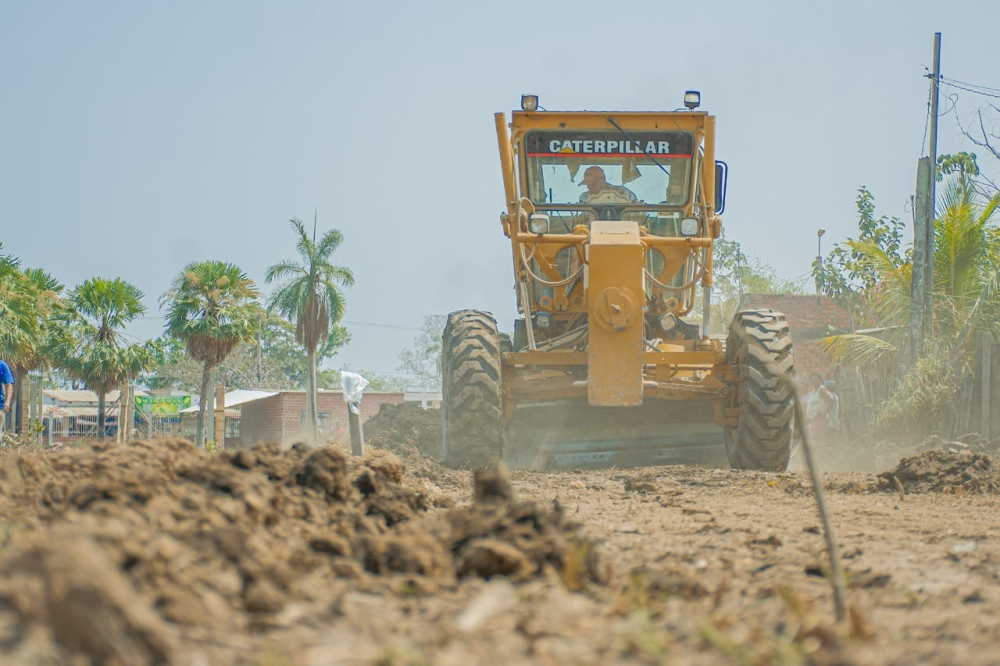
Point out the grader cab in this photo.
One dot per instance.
(611, 218)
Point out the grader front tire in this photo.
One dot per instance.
(760, 345)
(470, 384)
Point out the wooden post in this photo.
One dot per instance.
(18, 414)
(986, 360)
(34, 405)
(122, 399)
(220, 417)
(357, 433)
(130, 411)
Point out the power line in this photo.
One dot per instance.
(953, 84)
(927, 122)
(971, 85)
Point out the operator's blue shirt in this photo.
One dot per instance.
(6, 377)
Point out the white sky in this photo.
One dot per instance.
(138, 136)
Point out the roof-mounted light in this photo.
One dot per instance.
(529, 102)
(692, 99)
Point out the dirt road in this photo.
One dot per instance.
(289, 558)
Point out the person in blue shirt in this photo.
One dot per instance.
(6, 391)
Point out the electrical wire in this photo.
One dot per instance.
(927, 122)
(971, 85)
(951, 82)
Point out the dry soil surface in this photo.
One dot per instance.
(153, 552)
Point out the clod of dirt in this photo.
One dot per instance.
(945, 472)
(117, 553)
(65, 586)
(499, 535)
(642, 482)
(491, 486)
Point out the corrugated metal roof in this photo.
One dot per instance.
(71, 396)
(76, 411)
(235, 398)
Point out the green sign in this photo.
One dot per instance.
(162, 405)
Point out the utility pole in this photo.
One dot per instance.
(924, 204)
(922, 215)
(932, 151)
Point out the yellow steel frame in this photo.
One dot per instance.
(533, 376)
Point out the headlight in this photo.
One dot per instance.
(668, 322)
(543, 320)
(692, 99)
(538, 223)
(529, 102)
(689, 226)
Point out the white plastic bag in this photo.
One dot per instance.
(354, 386)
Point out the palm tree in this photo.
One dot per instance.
(966, 280)
(212, 309)
(89, 346)
(966, 256)
(43, 293)
(966, 302)
(28, 299)
(310, 297)
(18, 324)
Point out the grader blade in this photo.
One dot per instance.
(573, 434)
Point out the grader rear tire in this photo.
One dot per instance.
(471, 405)
(760, 345)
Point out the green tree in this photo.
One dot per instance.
(28, 299)
(212, 308)
(88, 345)
(422, 361)
(310, 297)
(854, 270)
(735, 275)
(874, 274)
(275, 363)
(42, 293)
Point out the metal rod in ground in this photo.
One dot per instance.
(836, 570)
(357, 434)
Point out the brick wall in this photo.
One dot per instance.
(279, 417)
(260, 421)
(810, 318)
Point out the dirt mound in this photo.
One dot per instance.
(944, 471)
(129, 553)
(397, 426)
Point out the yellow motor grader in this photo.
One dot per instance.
(611, 218)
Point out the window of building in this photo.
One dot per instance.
(325, 422)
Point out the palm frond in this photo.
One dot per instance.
(856, 348)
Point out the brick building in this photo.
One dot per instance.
(810, 318)
(281, 417)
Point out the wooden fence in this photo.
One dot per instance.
(978, 407)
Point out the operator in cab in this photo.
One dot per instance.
(600, 191)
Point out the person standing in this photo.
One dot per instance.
(819, 403)
(6, 391)
(833, 420)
